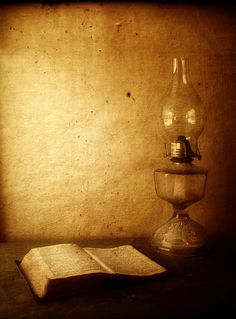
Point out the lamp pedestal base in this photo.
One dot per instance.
(180, 236)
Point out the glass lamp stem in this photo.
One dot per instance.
(180, 213)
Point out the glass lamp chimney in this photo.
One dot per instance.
(183, 114)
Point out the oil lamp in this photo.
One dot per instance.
(181, 182)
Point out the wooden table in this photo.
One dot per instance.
(195, 287)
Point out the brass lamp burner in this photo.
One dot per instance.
(181, 151)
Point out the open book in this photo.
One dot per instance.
(66, 269)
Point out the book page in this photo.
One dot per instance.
(66, 260)
(126, 260)
(36, 272)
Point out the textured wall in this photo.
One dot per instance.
(80, 86)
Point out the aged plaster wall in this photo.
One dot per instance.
(80, 86)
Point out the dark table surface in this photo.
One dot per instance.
(195, 287)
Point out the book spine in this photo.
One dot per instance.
(108, 269)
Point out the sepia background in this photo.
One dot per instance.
(80, 89)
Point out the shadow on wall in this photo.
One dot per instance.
(3, 235)
(2, 229)
(2, 211)
(2, 221)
